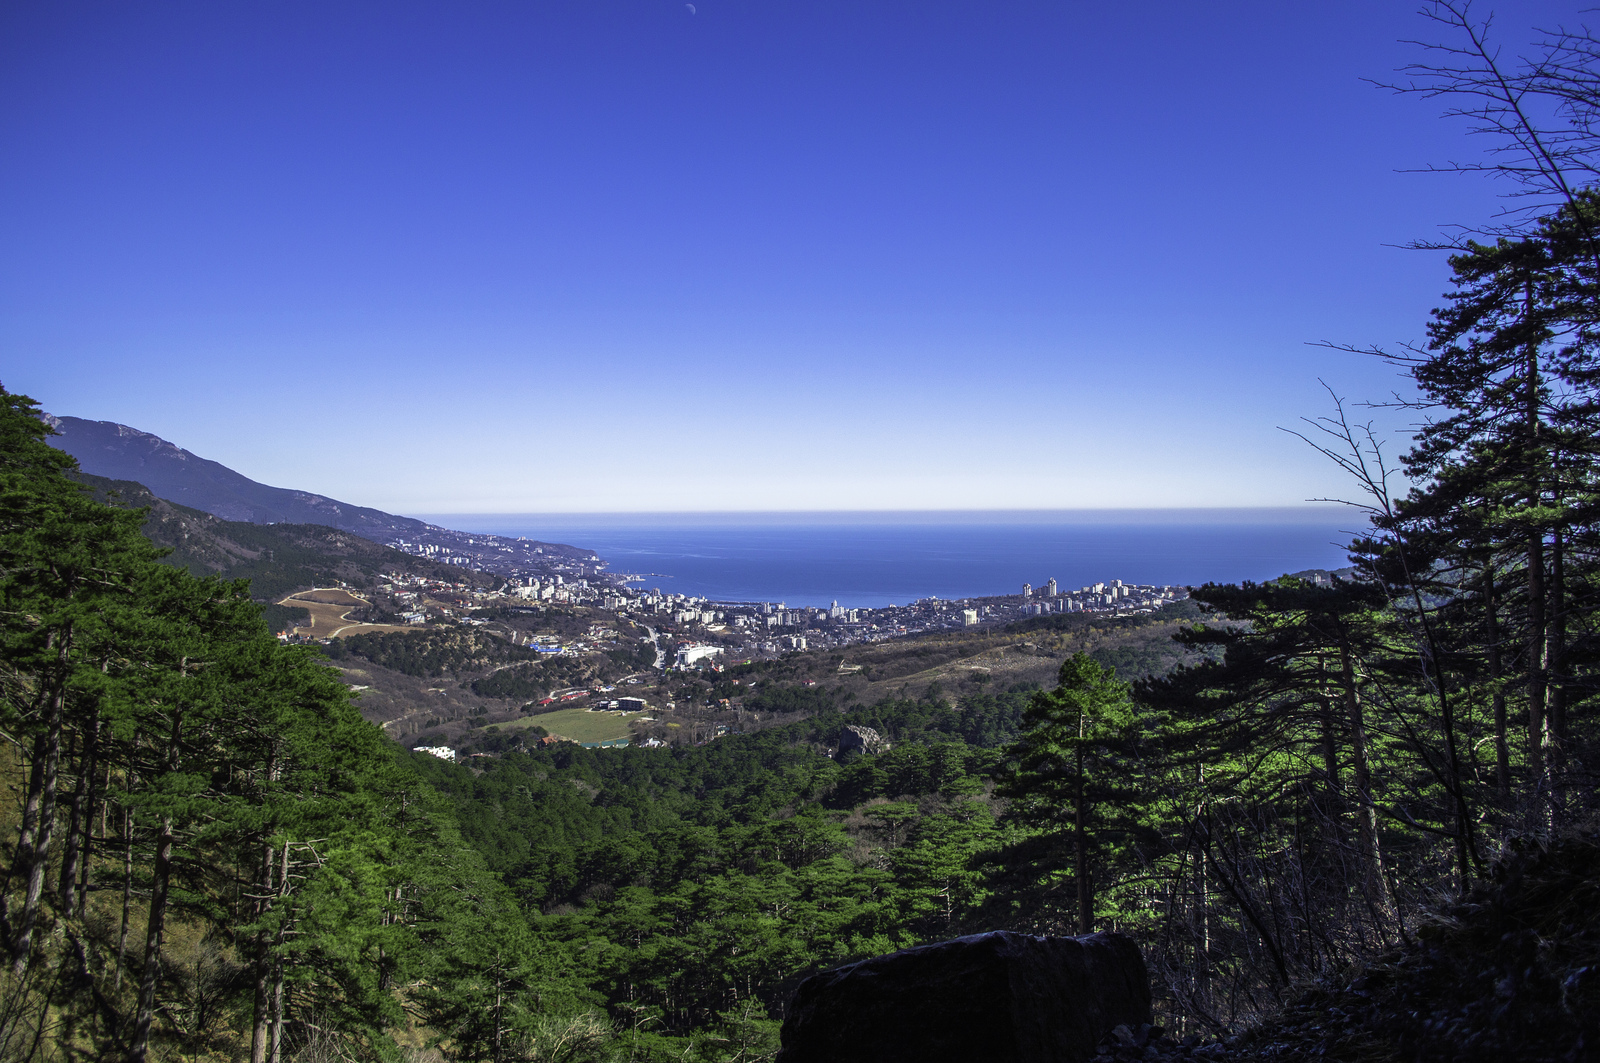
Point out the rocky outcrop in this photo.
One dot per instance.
(854, 739)
(998, 998)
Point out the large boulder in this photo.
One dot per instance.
(987, 998)
(862, 740)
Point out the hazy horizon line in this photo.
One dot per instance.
(1305, 513)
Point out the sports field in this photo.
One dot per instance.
(581, 725)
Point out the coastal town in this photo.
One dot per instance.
(555, 647)
(703, 629)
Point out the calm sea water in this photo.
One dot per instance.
(872, 560)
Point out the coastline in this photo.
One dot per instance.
(866, 560)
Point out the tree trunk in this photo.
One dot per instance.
(277, 967)
(276, 1054)
(127, 892)
(1080, 833)
(105, 788)
(1374, 885)
(1202, 899)
(97, 809)
(144, 1016)
(1502, 748)
(260, 1028)
(139, 1043)
(78, 821)
(1330, 742)
(39, 811)
(499, 1003)
(1537, 647)
(1433, 667)
(1555, 658)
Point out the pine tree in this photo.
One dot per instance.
(1071, 777)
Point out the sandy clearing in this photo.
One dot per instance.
(328, 618)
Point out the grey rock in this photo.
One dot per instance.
(862, 739)
(998, 998)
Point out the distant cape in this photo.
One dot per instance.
(105, 448)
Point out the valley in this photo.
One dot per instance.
(498, 679)
(634, 803)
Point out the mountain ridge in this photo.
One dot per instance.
(120, 452)
(276, 558)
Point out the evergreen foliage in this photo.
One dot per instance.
(213, 851)
(431, 653)
(534, 679)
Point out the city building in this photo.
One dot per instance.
(687, 655)
(442, 752)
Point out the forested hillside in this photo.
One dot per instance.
(275, 558)
(210, 852)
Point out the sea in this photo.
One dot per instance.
(870, 560)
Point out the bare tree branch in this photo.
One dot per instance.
(1540, 113)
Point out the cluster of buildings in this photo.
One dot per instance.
(1115, 596)
(705, 629)
(498, 554)
(554, 587)
(771, 629)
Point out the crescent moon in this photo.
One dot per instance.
(690, 7)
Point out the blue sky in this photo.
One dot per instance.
(611, 255)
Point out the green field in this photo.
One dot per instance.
(581, 725)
